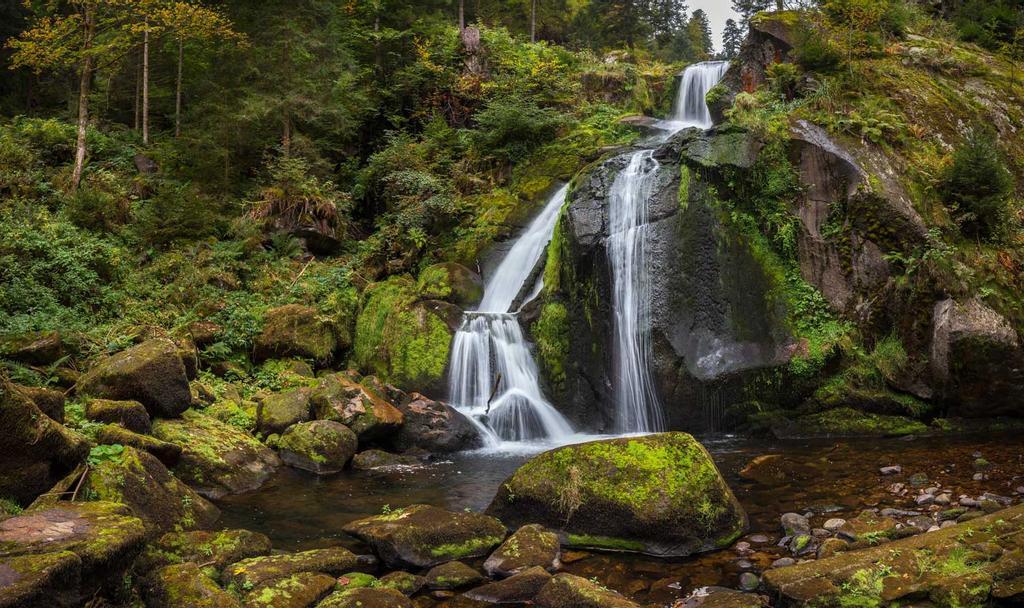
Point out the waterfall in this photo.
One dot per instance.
(493, 377)
(637, 408)
(690, 107)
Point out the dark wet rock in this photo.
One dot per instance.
(339, 398)
(802, 544)
(32, 348)
(846, 422)
(749, 581)
(295, 331)
(356, 580)
(659, 494)
(167, 453)
(366, 598)
(528, 547)
(422, 536)
(569, 591)
(248, 573)
(36, 451)
(132, 415)
(185, 585)
(520, 588)
(718, 597)
(977, 359)
(830, 547)
(139, 481)
(151, 373)
(217, 459)
(103, 537)
(434, 426)
(867, 525)
(891, 470)
(405, 582)
(452, 575)
(278, 411)
(775, 469)
(794, 523)
(322, 446)
(301, 590)
(49, 401)
(782, 562)
(211, 549)
(370, 460)
(733, 148)
(451, 282)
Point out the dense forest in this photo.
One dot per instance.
(387, 303)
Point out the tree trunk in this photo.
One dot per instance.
(780, 5)
(533, 21)
(286, 136)
(177, 89)
(138, 92)
(462, 15)
(145, 85)
(84, 88)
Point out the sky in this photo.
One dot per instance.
(718, 11)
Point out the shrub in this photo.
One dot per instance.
(294, 198)
(511, 127)
(815, 51)
(176, 212)
(977, 186)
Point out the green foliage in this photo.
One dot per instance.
(816, 51)
(105, 453)
(177, 212)
(511, 127)
(989, 23)
(551, 334)
(977, 186)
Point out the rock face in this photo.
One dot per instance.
(217, 459)
(521, 588)
(36, 451)
(660, 494)
(49, 401)
(62, 556)
(295, 331)
(151, 373)
(279, 411)
(301, 590)
(977, 360)
(421, 536)
(322, 446)
(129, 414)
(451, 282)
(339, 398)
(434, 426)
(213, 549)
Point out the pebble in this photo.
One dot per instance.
(1019, 490)
(820, 533)
(967, 501)
(934, 529)
(742, 547)
(1003, 500)
(834, 524)
(918, 480)
(794, 523)
(897, 488)
(749, 581)
(925, 499)
(947, 524)
(744, 564)
(891, 470)
(782, 562)
(758, 539)
(890, 512)
(943, 499)
(978, 477)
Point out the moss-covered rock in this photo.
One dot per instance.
(50, 579)
(405, 582)
(339, 398)
(186, 585)
(451, 282)
(49, 401)
(322, 446)
(36, 451)
(151, 373)
(249, 573)
(278, 411)
(529, 546)
(422, 535)
(452, 575)
(847, 422)
(520, 588)
(295, 331)
(659, 494)
(132, 415)
(569, 591)
(434, 426)
(139, 481)
(371, 460)
(217, 459)
(112, 434)
(365, 597)
(301, 590)
(399, 338)
(104, 537)
(32, 348)
(213, 550)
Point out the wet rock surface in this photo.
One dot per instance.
(151, 373)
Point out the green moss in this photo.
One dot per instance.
(684, 187)
(607, 543)
(551, 333)
(473, 546)
(434, 283)
(841, 422)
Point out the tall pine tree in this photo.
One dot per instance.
(699, 30)
(732, 38)
(748, 8)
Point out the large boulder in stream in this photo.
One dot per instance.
(295, 331)
(434, 426)
(322, 446)
(151, 373)
(422, 536)
(660, 495)
(451, 282)
(341, 399)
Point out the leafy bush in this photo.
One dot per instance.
(815, 51)
(175, 213)
(511, 127)
(295, 198)
(988, 23)
(977, 186)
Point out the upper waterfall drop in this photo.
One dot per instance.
(690, 107)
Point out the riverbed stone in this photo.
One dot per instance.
(323, 447)
(528, 547)
(794, 524)
(132, 415)
(434, 426)
(300, 590)
(185, 585)
(278, 411)
(366, 598)
(405, 582)
(212, 549)
(451, 282)
(339, 398)
(217, 458)
(570, 591)
(248, 573)
(112, 434)
(519, 588)
(659, 494)
(49, 579)
(867, 525)
(452, 575)
(775, 469)
(422, 536)
(370, 460)
(151, 373)
(295, 330)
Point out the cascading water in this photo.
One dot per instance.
(637, 409)
(493, 377)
